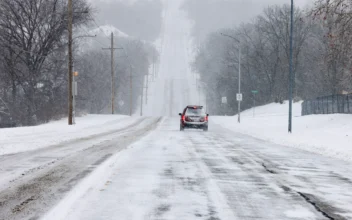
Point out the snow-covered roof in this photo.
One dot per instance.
(107, 30)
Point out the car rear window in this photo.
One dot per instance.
(195, 111)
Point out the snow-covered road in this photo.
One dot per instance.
(33, 181)
(218, 174)
(132, 169)
(175, 86)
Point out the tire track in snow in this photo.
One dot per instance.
(185, 190)
(251, 181)
(293, 172)
(35, 194)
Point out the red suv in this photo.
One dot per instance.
(194, 116)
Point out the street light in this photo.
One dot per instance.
(239, 95)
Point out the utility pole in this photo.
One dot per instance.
(112, 49)
(146, 89)
(131, 90)
(141, 113)
(239, 83)
(112, 74)
(70, 63)
(291, 73)
(153, 65)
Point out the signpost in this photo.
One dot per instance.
(223, 104)
(239, 97)
(224, 100)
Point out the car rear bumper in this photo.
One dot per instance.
(195, 124)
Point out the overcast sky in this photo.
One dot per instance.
(226, 13)
(297, 2)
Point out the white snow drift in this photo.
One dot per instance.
(330, 135)
(13, 140)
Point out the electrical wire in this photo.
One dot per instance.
(103, 45)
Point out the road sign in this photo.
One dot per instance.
(239, 97)
(254, 91)
(224, 100)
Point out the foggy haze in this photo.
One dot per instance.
(138, 18)
(175, 109)
(142, 18)
(212, 15)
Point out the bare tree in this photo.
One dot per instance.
(95, 80)
(31, 33)
(335, 18)
(265, 58)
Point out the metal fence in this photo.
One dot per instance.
(328, 105)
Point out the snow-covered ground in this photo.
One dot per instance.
(218, 174)
(330, 135)
(33, 181)
(149, 172)
(14, 140)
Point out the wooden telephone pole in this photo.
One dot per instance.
(146, 89)
(131, 91)
(141, 111)
(112, 49)
(70, 64)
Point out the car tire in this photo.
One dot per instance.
(182, 128)
(205, 128)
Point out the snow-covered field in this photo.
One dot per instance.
(330, 135)
(14, 140)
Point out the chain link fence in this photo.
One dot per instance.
(328, 105)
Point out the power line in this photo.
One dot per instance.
(95, 39)
(100, 29)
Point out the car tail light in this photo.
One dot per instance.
(183, 118)
(206, 118)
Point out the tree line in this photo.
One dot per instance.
(321, 56)
(34, 63)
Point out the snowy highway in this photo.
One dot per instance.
(136, 168)
(218, 174)
(151, 170)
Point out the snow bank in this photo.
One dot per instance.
(13, 140)
(330, 135)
